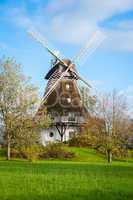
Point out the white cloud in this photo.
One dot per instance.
(102, 9)
(78, 24)
(55, 6)
(74, 21)
(118, 41)
(72, 31)
(20, 18)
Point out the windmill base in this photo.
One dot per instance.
(52, 134)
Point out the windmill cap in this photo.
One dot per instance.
(52, 70)
(67, 61)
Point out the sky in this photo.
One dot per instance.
(68, 25)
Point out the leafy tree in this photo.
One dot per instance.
(18, 104)
(87, 98)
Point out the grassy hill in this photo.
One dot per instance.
(81, 155)
(86, 177)
(86, 155)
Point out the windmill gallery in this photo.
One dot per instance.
(62, 96)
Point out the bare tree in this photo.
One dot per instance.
(112, 109)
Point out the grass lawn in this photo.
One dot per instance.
(87, 176)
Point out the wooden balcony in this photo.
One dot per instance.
(68, 120)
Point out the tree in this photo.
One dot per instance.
(18, 104)
(112, 109)
(27, 129)
(87, 98)
(93, 129)
(109, 124)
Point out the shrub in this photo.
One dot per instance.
(117, 152)
(56, 150)
(15, 153)
(53, 150)
(30, 153)
(83, 141)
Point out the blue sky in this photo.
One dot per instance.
(67, 24)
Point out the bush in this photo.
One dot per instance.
(30, 153)
(53, 150)
(83, 141)
(117, 152)
(56, 150)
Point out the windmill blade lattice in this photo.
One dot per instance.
(43, 42)
(90, 46)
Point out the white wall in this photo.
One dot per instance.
(45, 135)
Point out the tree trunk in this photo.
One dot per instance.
(109, 155)
(8, 148)
(61, 138)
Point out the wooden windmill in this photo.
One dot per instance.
(62, 96)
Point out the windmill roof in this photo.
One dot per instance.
(51, 71)
(59, 98)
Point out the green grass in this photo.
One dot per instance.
(86, 155)
(2, 153)
(86, 177)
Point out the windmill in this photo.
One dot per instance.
(62, 96)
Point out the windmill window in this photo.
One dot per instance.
(51, 134)
(67, 86)
(69, 100)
